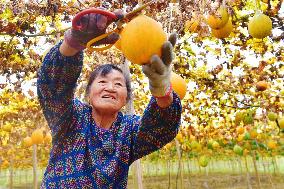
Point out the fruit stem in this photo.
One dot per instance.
(247, 174)
(257, 6)
(35, 166)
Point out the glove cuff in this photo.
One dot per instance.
(73, 42)
(168, 92)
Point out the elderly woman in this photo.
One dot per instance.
(94, 144)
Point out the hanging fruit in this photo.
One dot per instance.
(141, 38)
(224, 31)
(260, 26)
(203, 161)
(219, 19)
(27, 142)
(179, 85)
(37, 136)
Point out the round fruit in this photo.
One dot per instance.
(218, 20)
(179, 85)
(224, 31)
(239, 117)
(5, 164)
(281, 122)
(272, 144)
(247, 136)
(27, 142)
(240, 138)
(240, 130)
(195, 145)
(238, 150)
(248, 119)
(261, 85)
(141, 38)
(260, 26)
(215, 145)
(209, 144)
(48, 138)
(253, 133)
(37, 136)
(7, 127)
(272, 116)
(203, 161)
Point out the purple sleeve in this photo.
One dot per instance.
(157, 127)
(56, 83)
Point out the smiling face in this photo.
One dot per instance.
(108, 94)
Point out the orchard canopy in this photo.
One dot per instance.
(235, 88)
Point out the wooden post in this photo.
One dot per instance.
(169, 173)
(34, 167)
(11, 173)
(136, 166)
(180, 166)
(255, 169)
(248, 176)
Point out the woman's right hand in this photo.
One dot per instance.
(92, 25)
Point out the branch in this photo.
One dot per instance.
(81, 4)
(34, 35)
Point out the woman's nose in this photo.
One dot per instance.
(110, 87)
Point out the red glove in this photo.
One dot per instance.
(92, 25)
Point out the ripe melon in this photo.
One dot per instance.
(272, 144)
(37, 136)
(238, 150)
(179, 85)
(272, 116)
(203, 161)
(224, 31)
(27, 142)
(219, 19)
(141, 38)
(260, 26)
(281, 122)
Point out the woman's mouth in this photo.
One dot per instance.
(108, 97)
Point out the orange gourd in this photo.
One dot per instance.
(141, 38)
(179, 85)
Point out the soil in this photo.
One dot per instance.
(213, 181)
(201, 181)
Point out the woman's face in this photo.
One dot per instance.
(108, 93)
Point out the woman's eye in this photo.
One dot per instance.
(102, 81)
(119, 84)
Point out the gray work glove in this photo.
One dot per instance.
(93, 25)
(159, 69)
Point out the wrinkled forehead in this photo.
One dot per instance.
(111, 74)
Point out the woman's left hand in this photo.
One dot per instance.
(159, 70)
